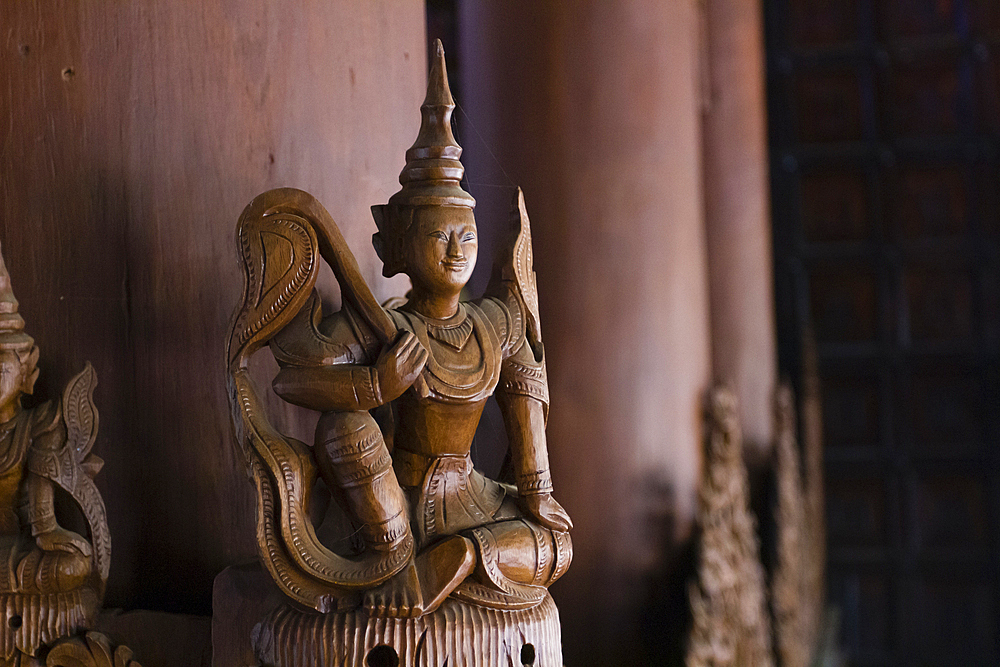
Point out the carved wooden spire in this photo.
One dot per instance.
(433, 173)
(12, 336)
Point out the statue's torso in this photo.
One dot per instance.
(462, 370)
(435, 420)
(434, 433)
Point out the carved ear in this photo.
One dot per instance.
(379, 245)
(382, 240)
(390, 263)
(379, 213)
(32, 362)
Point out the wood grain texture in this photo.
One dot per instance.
(134, 135)
(242, 595)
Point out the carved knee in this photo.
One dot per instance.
(521, 552)
(563, 555)
(69, 570)
(352, 456)
(52, 571)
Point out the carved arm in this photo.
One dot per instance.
(349, 387)
(48, 534)
(330, 388)
(525, 422)
(41, 507)
(523, 396)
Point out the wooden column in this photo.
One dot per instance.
(737, 214)
(133, 135)
(595, 112)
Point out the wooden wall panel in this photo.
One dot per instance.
(134, 134)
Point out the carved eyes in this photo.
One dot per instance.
(469, 237)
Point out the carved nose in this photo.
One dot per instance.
(454, 247)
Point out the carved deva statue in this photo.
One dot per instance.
(54, 578)
(444, 558)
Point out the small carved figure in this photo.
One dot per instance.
(401, 390)
(54, 578)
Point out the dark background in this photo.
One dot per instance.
(884, 134)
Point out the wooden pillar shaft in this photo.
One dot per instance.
(594, 111)
(737, 214)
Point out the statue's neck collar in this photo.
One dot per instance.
(453, 331)
(452, 322)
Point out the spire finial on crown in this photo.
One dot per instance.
(12, 336)
(433, 174)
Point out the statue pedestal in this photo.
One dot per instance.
(458, 634)
(32, 620)
(241, 596)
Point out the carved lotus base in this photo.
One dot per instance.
(30, 621)
(457, 635)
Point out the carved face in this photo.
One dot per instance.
(441, 249)
(11, 377)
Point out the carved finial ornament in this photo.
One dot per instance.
(433, 173)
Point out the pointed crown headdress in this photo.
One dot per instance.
(433, 173)
(12, 336)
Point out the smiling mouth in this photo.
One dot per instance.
(455, 266)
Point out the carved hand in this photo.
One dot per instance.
(60, 539)
(546, 511)
(399, 365)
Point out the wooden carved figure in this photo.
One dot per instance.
(54, 578)
(448, 566)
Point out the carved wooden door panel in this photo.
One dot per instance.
(885, 153)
